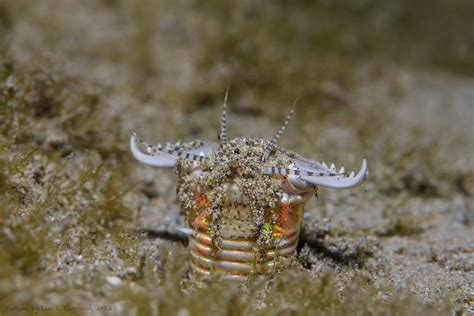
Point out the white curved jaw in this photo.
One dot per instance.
(304, 178)
(162, 160)
(302, 175)
(339, 181)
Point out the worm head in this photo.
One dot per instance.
(247, 158)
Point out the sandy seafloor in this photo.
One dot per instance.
(85, 228)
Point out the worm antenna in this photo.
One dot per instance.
(273, 142)
(223, 133)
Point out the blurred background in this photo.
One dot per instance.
(392, 81)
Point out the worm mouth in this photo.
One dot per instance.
(233, 194)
